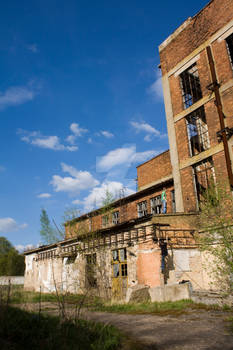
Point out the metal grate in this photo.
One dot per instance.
(190, 85)
(197, 132)
(229, 41)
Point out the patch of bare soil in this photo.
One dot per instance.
(192, 330)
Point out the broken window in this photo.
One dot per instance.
(156, 205)
(229, 41)
(197, 132)
(190, 85)
(71, 259)
(142, 209)
(119, 262)
(104, 220)
(115, 218)
(204, 175)
(91, 280)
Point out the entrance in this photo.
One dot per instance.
(119, 273)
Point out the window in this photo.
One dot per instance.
(142, 209)
(190, 85)
(156, 205)
(115, 218)
(91, 280)
(229, 41)
(104, 220)
(197, 132)
(119, 262)
(203, 175)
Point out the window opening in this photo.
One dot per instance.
(204, 174)
(197, 132)
(173, 201)
(142, 209)
(91, 280)
(156, 205)
(119, 262)
(190, 85)
(71, 259)
(115, 218)
(229, 41)
(104, 220)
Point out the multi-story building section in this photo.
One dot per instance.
(131, 242)
(197, 74)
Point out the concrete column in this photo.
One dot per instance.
(172, 144)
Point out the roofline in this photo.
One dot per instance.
(179, 29)
(168, 150)
(120, 201)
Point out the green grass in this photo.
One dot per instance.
(23, 330)
(161, 308)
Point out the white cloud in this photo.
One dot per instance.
(97, 194)
(22, 248)
(156, 89)
(78, 181)
(150, 130)
(16, 95)
(107, 134)
(35, 138)
(44, 195)
(10, 225)
(33, 48)
(77, 132)
(124, 156)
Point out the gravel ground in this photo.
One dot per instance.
(192, 330)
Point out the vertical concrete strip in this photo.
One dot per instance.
(173, 144)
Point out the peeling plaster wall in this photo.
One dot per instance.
(144, 268)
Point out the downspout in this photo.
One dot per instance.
(214, 86)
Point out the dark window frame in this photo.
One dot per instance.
(190, 86)
(116, 217)
(229, 42)
(142, 209)
(197, 130)
(156, 205)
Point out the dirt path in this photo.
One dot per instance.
(193, 330)
(197, 330)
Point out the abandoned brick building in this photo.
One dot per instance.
(131, 242)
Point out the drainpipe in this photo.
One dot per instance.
(214, 86)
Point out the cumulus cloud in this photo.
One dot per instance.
(10, 225)
(78, 181)
(35, 138)
(97, 194)
(156, 89)
(44, 195)
(124, 156)
(77, 131)
(16, 95)
(149, 129)
(106, 134)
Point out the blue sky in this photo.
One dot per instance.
(80, 103)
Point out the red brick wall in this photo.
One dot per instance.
(212, 18)
(154, 169)
(189, 196)
(128, 211)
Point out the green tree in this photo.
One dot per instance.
(216, 233)
(11, 262)
(48, 233)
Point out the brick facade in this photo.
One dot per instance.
(154, 170)
(184, 49)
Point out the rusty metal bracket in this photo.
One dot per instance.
(227, 131)
(212, 86)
